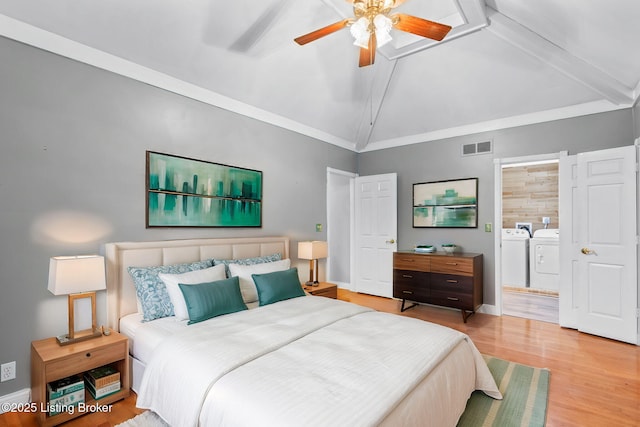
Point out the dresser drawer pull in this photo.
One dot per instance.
(452, 299)
(451, 281)
(452, 263)
(88, 355)
(407, 292)
(407, 276)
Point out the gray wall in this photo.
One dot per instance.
(636, 120)
(72, 163)
(441, 160)
(72, 147)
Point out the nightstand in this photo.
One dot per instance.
(50, 362)
(324, 289)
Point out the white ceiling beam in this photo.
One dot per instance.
(558, 58)
(381, 73)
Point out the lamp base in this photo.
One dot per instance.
(312, 283)
(82, 336)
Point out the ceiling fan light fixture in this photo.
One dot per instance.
(360, 32)
(383, 25)
(371, 27)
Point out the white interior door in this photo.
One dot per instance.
(569, 244)
(607, 235)
(375, 229)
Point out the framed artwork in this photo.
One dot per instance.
(183, 192)
(446, 204)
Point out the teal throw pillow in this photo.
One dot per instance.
(207, 300)
(278, 286)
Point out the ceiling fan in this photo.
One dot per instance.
(372, 25)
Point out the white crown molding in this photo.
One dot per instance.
(45, 40)
(505, 123)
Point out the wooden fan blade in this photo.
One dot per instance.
(368, 56)
(396, 3)
(421, 27)
(324, 31)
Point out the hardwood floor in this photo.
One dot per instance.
(594, 381)
(531, 305)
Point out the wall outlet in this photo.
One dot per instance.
(8, 371)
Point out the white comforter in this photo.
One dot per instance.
(301, 362)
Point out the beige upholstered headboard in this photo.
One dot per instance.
(121, 293)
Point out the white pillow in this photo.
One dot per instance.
(172, 281)
(244, 272)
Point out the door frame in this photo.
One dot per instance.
(497, 229)
(351, 175)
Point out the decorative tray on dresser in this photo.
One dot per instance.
(449, 280)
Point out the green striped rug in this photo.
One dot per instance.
(524, 390)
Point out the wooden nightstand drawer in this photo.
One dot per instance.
(452, 265)
(84, 361)
(324, 289)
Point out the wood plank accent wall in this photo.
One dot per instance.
(528, 194)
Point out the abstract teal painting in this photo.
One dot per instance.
(446, 204)
(183, 192)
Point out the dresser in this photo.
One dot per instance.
(448, 280)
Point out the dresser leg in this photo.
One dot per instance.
(403, 308)
(466, 315)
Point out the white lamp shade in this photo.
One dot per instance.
(312, 250)
(75, 274)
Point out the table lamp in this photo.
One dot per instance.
(312, 251)
(78, 277)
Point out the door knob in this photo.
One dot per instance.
(587, 251)
(392, 241)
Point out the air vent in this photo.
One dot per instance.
(476, 148)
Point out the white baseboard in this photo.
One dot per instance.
(20, 396)
(488, 309)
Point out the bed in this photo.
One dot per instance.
(297, 361)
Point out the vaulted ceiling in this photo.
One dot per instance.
(505, 62)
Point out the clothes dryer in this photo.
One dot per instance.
(545, 259)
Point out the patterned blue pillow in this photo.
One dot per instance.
(151, 290)
(246, 261)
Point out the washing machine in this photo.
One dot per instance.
(544, 259)
(515, 257)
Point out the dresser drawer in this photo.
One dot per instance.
(452, 299)
(412, 285)
(452, 265)
(79, 362)
(414, 262)
(450, 282)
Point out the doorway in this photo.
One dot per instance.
(530, 237)
(361, 231)
(340, 226)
